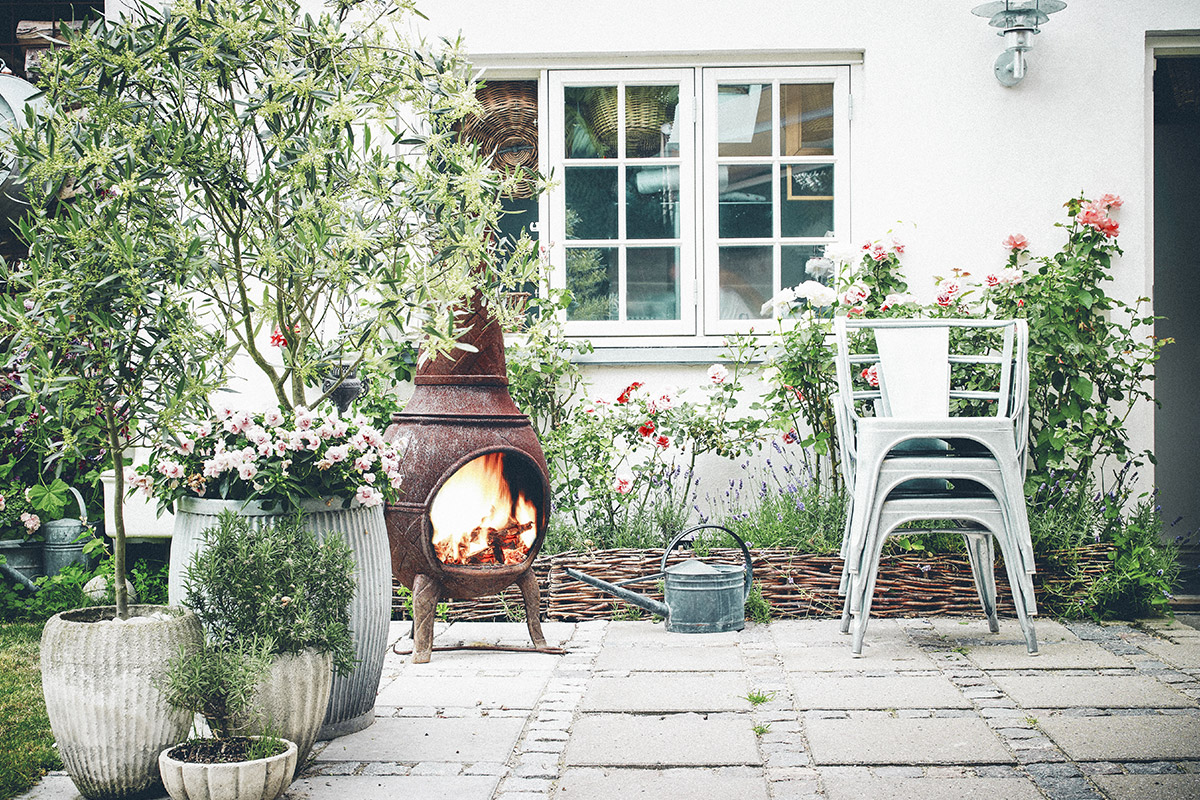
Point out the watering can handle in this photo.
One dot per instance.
(82, 505)
(745, 551)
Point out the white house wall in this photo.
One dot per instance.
(936, 142)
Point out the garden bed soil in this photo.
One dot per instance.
(223, 751)
(794, 583)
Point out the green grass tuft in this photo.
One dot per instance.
(26, 744)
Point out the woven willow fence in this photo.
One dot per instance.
(795, 584)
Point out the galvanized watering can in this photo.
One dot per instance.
(700, 597)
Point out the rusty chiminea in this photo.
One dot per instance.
(476, 494)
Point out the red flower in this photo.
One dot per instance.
(278, 339)
(992, 280)
(1108, 227)
(791, 437)
(1020, 303)
(647, 428)
(663, 442)
(624, 396)
(871, 375)
(855, 312)
(945, 300)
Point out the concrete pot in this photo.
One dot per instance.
(291, 700)
(352, 698)
(98, 676)
(261, 779)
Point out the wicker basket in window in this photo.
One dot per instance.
(507, 128)
(648, 110)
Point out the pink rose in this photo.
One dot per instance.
(1110, 201)
(897, 247)
(878, 251)
(871, 375)
(369, 496)
(951, 288)
(992, 280)
(622, 484)
(1016, 242)
(945, 300)
(247, 470)
(718, 374)
(273, 418)
(3, 502)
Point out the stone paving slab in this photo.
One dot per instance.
(887, 740)
(671, 691)
(1051, 655)
(670, 658)
(464, 691)
(956, 628)
(1142, 738)
(655, 633)
(824, 691)
(390, 787)
(838, 658)
(856, 787)
(507, 633)
(1141, 787)
(639, 740)
(1173, 628)
(1052, 690)
(1183, 653)
(720, 783)
(828, 631)
(476, 662)
(416, 739)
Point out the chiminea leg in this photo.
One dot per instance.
(425, 595)
(533, 601)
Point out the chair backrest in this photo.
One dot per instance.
(915, 368)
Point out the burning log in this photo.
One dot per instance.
(504, 545)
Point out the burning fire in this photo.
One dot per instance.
(477, 519)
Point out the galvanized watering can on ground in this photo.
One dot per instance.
(700, 597)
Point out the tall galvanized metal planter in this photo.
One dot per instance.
(100, 681)
(352, 698)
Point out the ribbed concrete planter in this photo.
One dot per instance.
(262, 779)
(352, 699)
(108, 717)
(291, 700)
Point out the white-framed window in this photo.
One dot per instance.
(686, 198)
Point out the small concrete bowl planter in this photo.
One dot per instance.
(291, 699)
(99, 678)
(261, 779)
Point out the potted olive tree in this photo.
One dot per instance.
(218, 681)
(98, 309)
(285, 586)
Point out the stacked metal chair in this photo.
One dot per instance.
(912, 460)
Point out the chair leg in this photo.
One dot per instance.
(865, 590)
(1019, 581)
(849, 593)
(982, 557)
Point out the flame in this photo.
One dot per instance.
(477, 520)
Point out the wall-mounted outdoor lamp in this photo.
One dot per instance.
(1017, 20)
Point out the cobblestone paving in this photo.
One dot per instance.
(936, 708)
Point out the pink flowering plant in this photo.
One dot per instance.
(277, 457)
(1091, 355)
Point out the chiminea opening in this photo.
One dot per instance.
(485, 514)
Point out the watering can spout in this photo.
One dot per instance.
(650, 604)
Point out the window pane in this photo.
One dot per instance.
(591, 121)
(652, 283)
(747, 281)
(650, 121)
(794, 269)
(806, 116)
(745, 201)
(592, 279)
(806, 194)
(744, 119)
(591, 197)
(652, 202)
